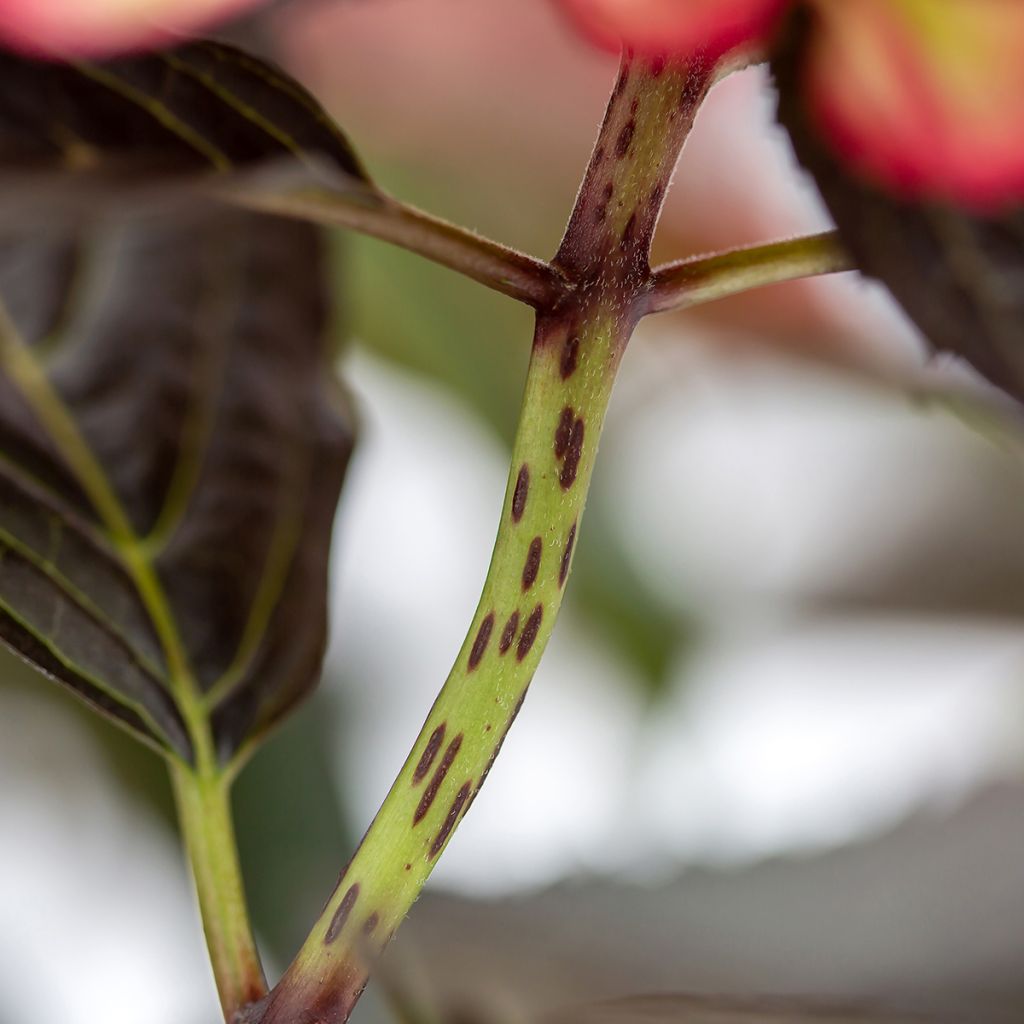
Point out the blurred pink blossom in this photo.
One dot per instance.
(91, 28)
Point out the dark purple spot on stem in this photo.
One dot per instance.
(483, 637)
(453, 816)
(521, 493)
(429, 753)
(529, 633)
(563, 572)
(572, 456)
(657, 66)
(625, 139)
(563, 435)
(508, 634)
(341, 915)
(370, 924)
(532, 565)
(435, 783)
(570, 356)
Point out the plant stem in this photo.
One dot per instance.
(204, 810)
(701, 279)
(576, 352)
(374, 213)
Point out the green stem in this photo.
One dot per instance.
(204, 810)
(701, 279)
(576, 352)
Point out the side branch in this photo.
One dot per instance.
(702, 279)
(378, 215)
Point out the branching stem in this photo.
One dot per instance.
(702, 279)
(546, 286)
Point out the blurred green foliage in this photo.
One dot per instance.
(292, 835)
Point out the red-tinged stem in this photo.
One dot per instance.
(702, 279)
(378, 215)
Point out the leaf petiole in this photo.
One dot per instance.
(701, 279)
(204, 811)
(505, 270)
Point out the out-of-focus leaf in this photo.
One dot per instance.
(927, 915)
(443, 326)
(625, 612)
(681, 1009)
(289, 820)
(959, 276)
(182, 365)
(75, 134)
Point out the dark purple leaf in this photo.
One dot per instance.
(190, 356)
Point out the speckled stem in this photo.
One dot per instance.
(576, 352)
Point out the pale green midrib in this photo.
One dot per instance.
(137, 555)
(54, 416)
(243, 109)
(76, 299)
(210, 367)
(284, 541)
(206, 147)
(298, 95)
(208, 384)
(160, 113)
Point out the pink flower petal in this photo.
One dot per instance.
(925, 97)
(77, 28)
(682, 27)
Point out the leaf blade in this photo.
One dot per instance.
(248, 506)
(161, 120)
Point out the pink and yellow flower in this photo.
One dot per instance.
(924, 97)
